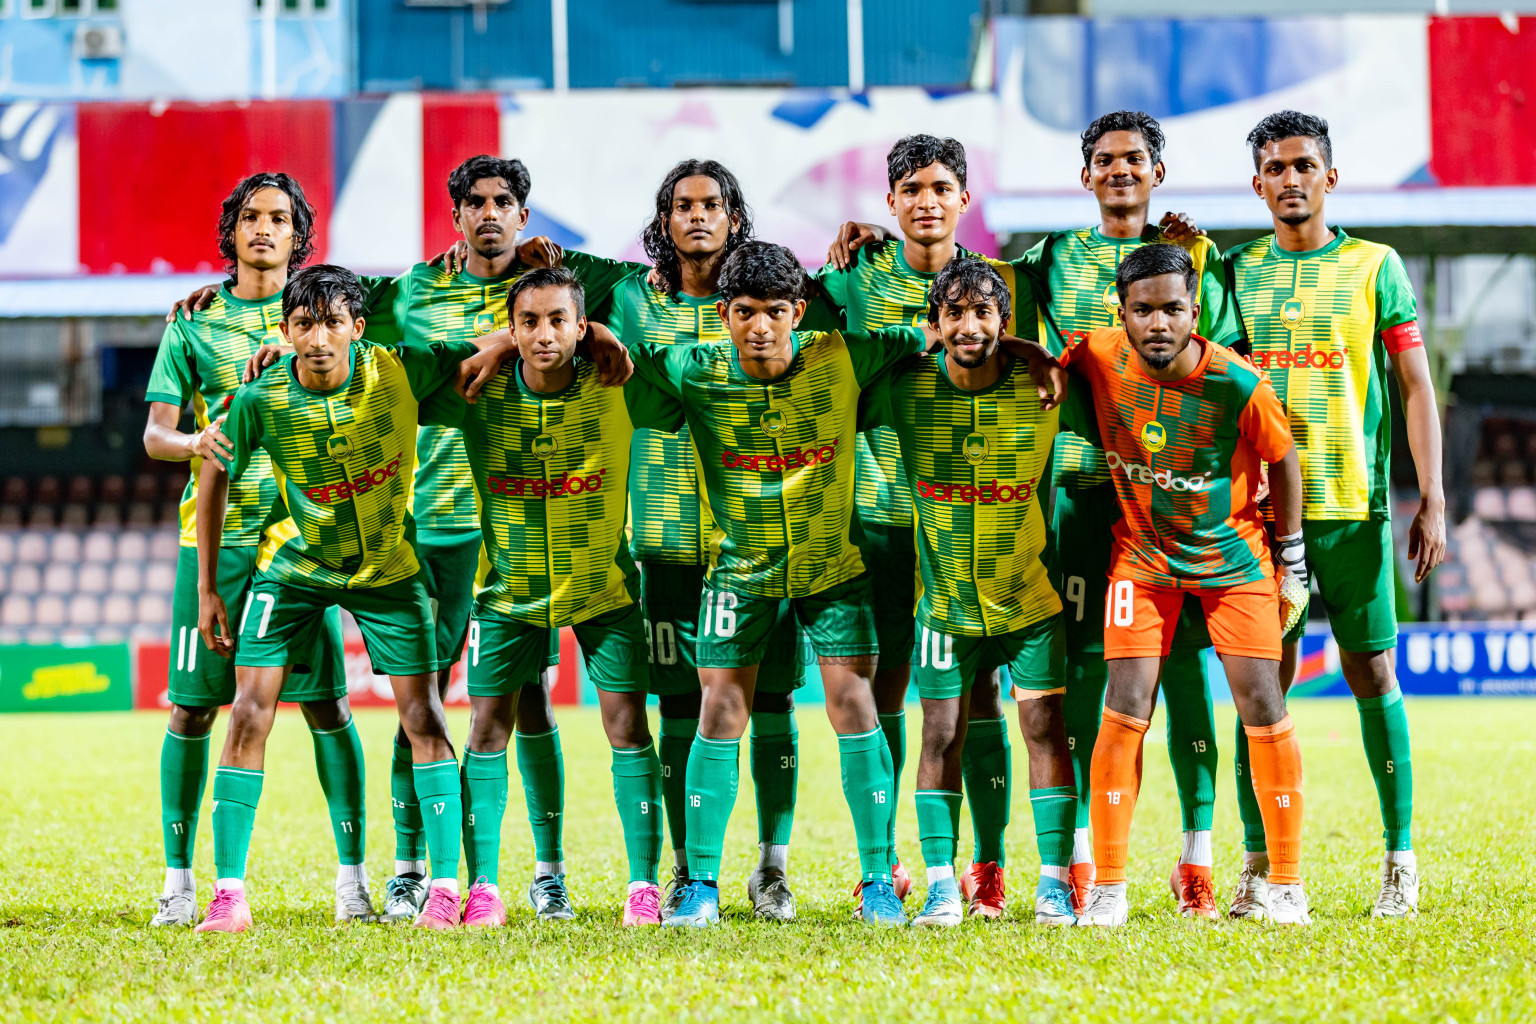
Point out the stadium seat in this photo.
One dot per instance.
(49, 611)
(92, 578)
(75, 517)
(127, 577)
(141, 514)
(132, 547)
(1490, 598)
(165, 545)
(42, 517)
(170, 513)
(59, 578)
(7, 548)
(1488, 503)
(160, 578)
(154, 610)
(113, 490)
(48, 491)
(84, 610)
(16, 611)
(81, 489)
(118, 610)
(64, 547)
(32, 546)
(1522, 504)
(98, 547)
(10, 517)
(26, 578)
(146, 488)
(5, 579)
(108, 517)
(15, 491)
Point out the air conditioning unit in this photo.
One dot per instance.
(98, 42)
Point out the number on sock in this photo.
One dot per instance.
(1114, 798)
(1283, 799)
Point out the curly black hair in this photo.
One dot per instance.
(762, 270)
(472, 170)
(1138, 121)
(1288, 124)
(657, 236)
(303, 217)
(915, 152)
(320, 287)
(965, 278)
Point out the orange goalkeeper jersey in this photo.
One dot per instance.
(1186, 457)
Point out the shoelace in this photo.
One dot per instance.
(480, 899)
(224, 903)
(354, 900)
(1103, 900)
(549, 889)
(1198, 891)
(1392, 898)
(442, 904)
(645, 901)
(399, 888)
(166, 902)
(989, 885)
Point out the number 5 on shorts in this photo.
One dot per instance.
(1121, 606)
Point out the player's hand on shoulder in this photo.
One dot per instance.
(262, 358)
(453, 258)
(851, 237)
(194, 303)
(614, 365)
(1426, 537)
(1179, 227)
(210, 443)
(1048, 375)
(540, 251)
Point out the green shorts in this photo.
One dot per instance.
(945, 666)
(736, 629)
(890, 556)
(669, 602)
(282, 619)
(1082, 527)
(201, 679)
(1351, 563)
(505, 655)
(448, 560)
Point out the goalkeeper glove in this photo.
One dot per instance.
(1296, 582)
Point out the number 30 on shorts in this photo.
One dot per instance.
(720, 614)
(1120, 609)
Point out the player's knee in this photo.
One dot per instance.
(683, 705)
(942, 741)
(488, 735)
(535, 711)
(1369, 673)
(625, 723)
(191, 721)
(765, 702)
(325, 715)
(986, 697)
(1040, 719)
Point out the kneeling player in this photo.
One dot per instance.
(338, 419)
(549, 450)
(1187, 428)
(974, 446)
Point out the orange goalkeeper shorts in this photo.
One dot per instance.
(1139, 618)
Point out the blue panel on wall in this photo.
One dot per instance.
(446, 48)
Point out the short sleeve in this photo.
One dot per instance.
(1032, 291)
(1395, 301)
(874, 352)
(600, 277)
(384, 303)
(243, 427)
(651, 407)
(1219, 322)
(1263, 423)
(833, 284)
(822, 313)
(173, 379)
(661, 366)
(428, 365)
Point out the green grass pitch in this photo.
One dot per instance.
(80, 854)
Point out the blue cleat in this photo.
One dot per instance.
(879, 906)
(1053, 903)
(700, 907)
(943, 908)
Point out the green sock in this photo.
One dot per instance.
(485, 802)
(1247, 801)
(1055, 811)
(894, 726)
(543, 770)
(637, 794)
(774, 757)
(711, 794)
(938, 826)
(1191, 735)
(442, 813)
(869, 787)
(236, 792)
(410, 839)
(339, 763)
(985, 765)
(183, 774)
(676, 741)
(1081, 707)
(1384, 727)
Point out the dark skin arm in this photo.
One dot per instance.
(1426, 535)
(162, 439)
(1285, 493)
(601, 345)
(212, 615)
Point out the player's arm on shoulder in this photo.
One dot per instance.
(600, 279)
(1178, 227)
(823, 312)
(851, 237)
(874, 352)
(662, 367)
(1046, 372)
(652, 407)
(603, 347)
(193, 303)
(1219, 320)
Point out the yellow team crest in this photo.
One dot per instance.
(1153, 437)
(1292, 312)
(974, 448)
(1111, 299)
(485, 322)
(544, 445)
(772, 421)
(338, 447)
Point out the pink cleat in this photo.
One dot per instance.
(483, 907)
(227, 913)
(643, 906)
(441, 911)
(901, 880)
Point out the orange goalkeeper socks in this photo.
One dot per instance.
(1115, 779)
(1275, 757)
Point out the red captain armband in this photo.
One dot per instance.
(1402, 337)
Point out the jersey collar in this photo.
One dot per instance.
(744, 377)
(552, 396)
(1338, 240)
(230, 298)
(292, 364)
(943, 367)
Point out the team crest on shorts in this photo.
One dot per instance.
(1111, 299)
(773, 422)
(338, 447)
(544, 445)
(1292, 312)
(974, 448)
(485, 322)
(1153, 437)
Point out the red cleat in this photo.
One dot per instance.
(901, 880)
(1080, 877)
(983, 888)
(1191, 884)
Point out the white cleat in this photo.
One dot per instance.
(177, 909)
(1288, 904)
(1250, 900)
(1399, 896)
(354, 904)
(1107, 907)
(404, 896)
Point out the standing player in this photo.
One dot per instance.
(549, 449)
(1188, 429)
(1073, 281)
(265, 230)
(974, 447)
(338, 421)
(885, 284)
(1326, 316)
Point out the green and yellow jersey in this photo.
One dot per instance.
(201, 361)
(343, 462)
(550, 471)
(1321, 324)
(974, 462)
(776, 455)
(880, 289)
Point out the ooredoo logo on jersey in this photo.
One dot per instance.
(1139, 473)
(364, 482)
(1304, 358)
(815, 455)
